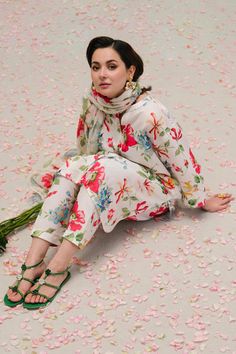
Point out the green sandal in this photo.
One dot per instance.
(37, 305)
(15, 288)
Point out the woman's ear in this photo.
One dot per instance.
(132, 69)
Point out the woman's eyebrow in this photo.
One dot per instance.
(109, 61)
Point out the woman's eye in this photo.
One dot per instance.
(112, 67)
(94, 68)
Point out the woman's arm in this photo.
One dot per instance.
(175, 153)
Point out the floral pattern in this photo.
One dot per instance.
(142, 163)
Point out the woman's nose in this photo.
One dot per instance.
(103, 72)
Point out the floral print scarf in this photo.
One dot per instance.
(95, 108)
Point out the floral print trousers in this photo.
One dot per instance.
(63, 215)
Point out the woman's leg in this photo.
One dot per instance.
(83, 223)
(54, 215)
(47, 230)
(36, 253)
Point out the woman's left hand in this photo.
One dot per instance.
(218, 202)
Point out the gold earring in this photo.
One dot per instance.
(130, 84)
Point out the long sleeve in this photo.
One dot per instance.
(175, 153)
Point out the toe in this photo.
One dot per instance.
(9, 292)
(28, 298)
(41, 300)
(14, 297)
(37, 298)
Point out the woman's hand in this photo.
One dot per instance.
(218, 202)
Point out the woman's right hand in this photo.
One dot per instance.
(218, 202)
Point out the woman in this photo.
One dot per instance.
(132, 163)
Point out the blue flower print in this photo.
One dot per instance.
(144, 140)
(103, 198)
(59, 214)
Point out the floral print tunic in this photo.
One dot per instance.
(141, 164)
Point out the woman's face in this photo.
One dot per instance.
(109, 73)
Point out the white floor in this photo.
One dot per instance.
(151, 287)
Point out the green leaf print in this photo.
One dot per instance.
(70, 237)
(162, 133)
(177, 152)
(167, 130)
(56, 180)
(79, 236)
(83, 168)
(167, 143)
(50, 230)
(125, 199)
(126, 212)
(134, 198)
(142, 174)
(197, 179)
(192, 202)
(83, 141)
(36, 233)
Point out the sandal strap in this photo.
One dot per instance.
(50, 285)
(49, 272)
(25, 267)
(42, 282)
(15, 288)
(27, 279)
(20, 277)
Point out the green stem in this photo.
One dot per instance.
(7, 226)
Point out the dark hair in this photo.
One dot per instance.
(125, 51)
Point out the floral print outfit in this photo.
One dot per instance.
(130, 165)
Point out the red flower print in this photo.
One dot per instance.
(76, 218)
(196, 166)
(80, 128)
(159, 211)
(47, 180)
(110, 213)
(121, 192)
(93, 177)
(110, 142)
(141, 207)
(105, 98)
(168, 182)
(127, 131)
(131, 217)
(50, 194)
(176, 136)
(186, 163)
(177, 168)
(201, 204)
(106, 125)
(96, 223)
(68, 176)
(160, 150)
(147, 184)
(96, 156)
(156, 125)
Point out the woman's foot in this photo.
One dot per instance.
(54, 280)
(24, 285)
